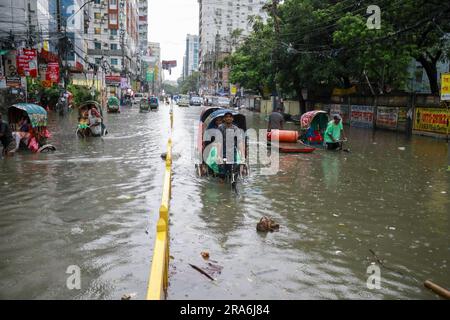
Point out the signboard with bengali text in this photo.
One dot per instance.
(362, 116)
(387, 118)
(434, 120)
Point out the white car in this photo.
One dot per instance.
(183, 101)
(138, 97)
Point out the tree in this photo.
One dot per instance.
(190, 84)
(251, 65)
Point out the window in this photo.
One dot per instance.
(113, 18)
(98, 45)
(97, 30)
(96, 1)
(98, 61)
(114, 62)
(113, 46)
(97, 15)
(114, 32)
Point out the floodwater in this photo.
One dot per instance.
(94, 204)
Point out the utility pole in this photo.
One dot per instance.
(276, 56)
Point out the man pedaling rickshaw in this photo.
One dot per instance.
(227, 156)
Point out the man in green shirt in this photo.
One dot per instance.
(334, 132)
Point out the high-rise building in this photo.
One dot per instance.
(143, 25)
(191, 58)
(221, 25)
(113, 40)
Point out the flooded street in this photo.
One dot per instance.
(94, 204)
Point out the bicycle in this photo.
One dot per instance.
(233, 172)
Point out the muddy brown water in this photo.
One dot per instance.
(94, 204)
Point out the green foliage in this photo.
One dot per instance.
(190, 84)
(81, 94)
(170, 89)
(318, 45)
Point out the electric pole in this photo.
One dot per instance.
(276, 55)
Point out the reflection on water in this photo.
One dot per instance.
(91, 203)
(333, 208)
(88, 204)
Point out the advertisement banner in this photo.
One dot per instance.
(10, 65)
(27, 63)
(233, 90)
(52, 72)
(112, 80)
(445, 87)
(434, 120)
(150, 76)
(361, 116)
(387, 118)
(124, 83)
(13, 82)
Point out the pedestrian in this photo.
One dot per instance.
(409, 122)
(334, 133)
(6, 138)
(276, 120)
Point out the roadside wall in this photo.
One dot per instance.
(430, 117)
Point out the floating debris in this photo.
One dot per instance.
(128, 296)
(266, 224)
(202, 272)
(205, 255)
(264, 272)
(401, 148)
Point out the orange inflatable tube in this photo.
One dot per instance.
(283, 135)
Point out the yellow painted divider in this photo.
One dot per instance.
(159, 272)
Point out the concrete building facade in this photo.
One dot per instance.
(218, 36)
(191, 56)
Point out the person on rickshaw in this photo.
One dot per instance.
(95, 122)
(232, 146)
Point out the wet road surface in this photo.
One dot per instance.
(94, 204)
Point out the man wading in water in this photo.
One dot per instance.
(333, 134)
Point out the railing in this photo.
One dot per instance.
(159, 272)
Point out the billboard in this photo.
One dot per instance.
(434, 120)
(387, 118)
(362, 116)
(445, 87)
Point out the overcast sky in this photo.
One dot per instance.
(169, 23)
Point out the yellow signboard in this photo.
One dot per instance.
(432, 120)
(233, 90)
(344, 92)
(445, 87)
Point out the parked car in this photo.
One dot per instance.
(183, 101)
(195, 101)
(223, 102)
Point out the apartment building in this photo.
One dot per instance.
(217, 24)
(143, 25)
(191, 57)
(113, 39)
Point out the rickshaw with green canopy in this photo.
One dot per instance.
(29, 125)
(113, 105)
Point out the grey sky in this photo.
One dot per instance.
(169, 22)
